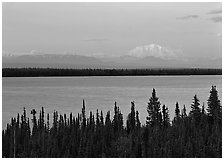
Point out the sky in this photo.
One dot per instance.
(189, 29)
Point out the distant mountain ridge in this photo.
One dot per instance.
(80, 61)
(146, 56)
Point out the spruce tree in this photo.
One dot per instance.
(97, 118)
(117, 120)
(203, 116)
(138, 123)
(165, 119)
(48, 123)
(132, 116)
(33, 112)
(55, 122)
(177, 111)
(92, 122)
(108, 133)
(107, 120)
(153, 110)
(42, 117)
(120, 120)
(101, 118)
(195, 110)
(214, 107)
(83, 114)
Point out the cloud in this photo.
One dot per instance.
(216, 19)
(95, 39)
(187, 17)
(155, 50)
(218, 11)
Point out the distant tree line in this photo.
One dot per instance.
(197, 134)
(41, 72)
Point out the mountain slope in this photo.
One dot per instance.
(127, 61)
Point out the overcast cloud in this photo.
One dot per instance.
(188, 17)
(217, 19)
(218, 11)
(111, 28)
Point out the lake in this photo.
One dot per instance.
(65, 94)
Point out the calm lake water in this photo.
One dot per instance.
(65, 94)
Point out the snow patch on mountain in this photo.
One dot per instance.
(7, 54)
(154, 50)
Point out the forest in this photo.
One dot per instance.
(196, 133)
(43, 72)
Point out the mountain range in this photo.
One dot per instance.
(149, 56)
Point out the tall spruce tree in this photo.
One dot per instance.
(166, 119)
(34, 120)
(214, 107)
(115, 119)
(138, 123)
(97, 118)
(177, 111)
(131, 121)
(101, 118)
(195, 110)
(153, 109)
(83, 114)
(132, 116)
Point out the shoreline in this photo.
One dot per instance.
(56, 72)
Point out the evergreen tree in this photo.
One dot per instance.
(48, 122)
(203, 116)
(97, 119)
(153, 110)
(166, 119)
(108, 134)
(83, 114)
(138, 123)
(33, 112)
(131, 121)
(101, 118)
(195, 110)
(55, 122)
(42, 117)
(177, 111)
(214, 106)
(92, 122)
(117, 120)
(120, 120)
(132, 116)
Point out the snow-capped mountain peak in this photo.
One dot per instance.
(154, 50)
